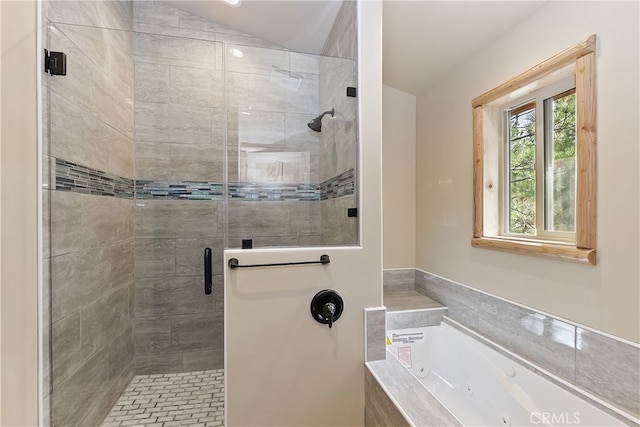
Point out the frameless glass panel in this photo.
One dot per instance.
(292, 148)
(117, 230)
(560, 162)
(521, 170)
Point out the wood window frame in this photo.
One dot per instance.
(485, 186)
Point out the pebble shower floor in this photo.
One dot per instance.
(164, 400)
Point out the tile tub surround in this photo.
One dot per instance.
(600, 364)
(389, 386)
(375, 329)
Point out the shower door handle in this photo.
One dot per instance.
(207, 271)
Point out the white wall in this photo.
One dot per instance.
(399, 178)
(282, 367)
(18, 279)
(606, 297)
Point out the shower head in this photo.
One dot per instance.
(316, 124)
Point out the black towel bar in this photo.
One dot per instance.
(234, 263)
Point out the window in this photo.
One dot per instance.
(534, 160)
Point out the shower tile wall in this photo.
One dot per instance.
(179, 156)
(179, 135)
(272, 94)
(90, 254)
(339, 139)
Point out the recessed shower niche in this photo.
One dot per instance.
(168, 135)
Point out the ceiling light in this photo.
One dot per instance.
(234, 3)
(236, 52)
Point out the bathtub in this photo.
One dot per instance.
(482, 387)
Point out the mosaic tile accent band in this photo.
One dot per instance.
(186, 190)
(202, 190)
(338, 186)
(81, 179)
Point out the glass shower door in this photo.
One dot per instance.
(289, 185)
(135, 154)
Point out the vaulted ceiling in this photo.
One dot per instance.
(422, 40)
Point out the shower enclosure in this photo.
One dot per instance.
(170, 134)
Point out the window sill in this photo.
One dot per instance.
(541, 249)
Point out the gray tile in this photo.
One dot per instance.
(116, 14)
(292, 93)
(609, 369)
(67, 234)
(203, 360)
(91, 41)
(380, 411)
(298, 135)
(256, 60)
(66, 354)
(121, 255)
(121, 154)
(337, 228)
(422, 408)
(264, 129)
(545, 341)
(218, 292)
(311, 240)
(376, 348)
(176, 218)
(264, 242)
(77, 279)
(121, 353)
(74, 399)
(338, 149)
(197, 162)
(120, 66)
(151, 83)
(190, 256)
(72, 12)
(305, 218)
(178, 51)
(171, 296)
(462, 302)
(155, 257)
(259, 219)
(415, 319)
(341, 41)
(397, 300)
(153, 161)
(193, 86)
(399, 279)
(112, 103)
(140, 27)
(163, 363)
(107, 219)
(172, 123)
(71, 128)
(197, 332)
(152, 335)
(305, 63)
(338, 74)
(103, 319)
(156, 12)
